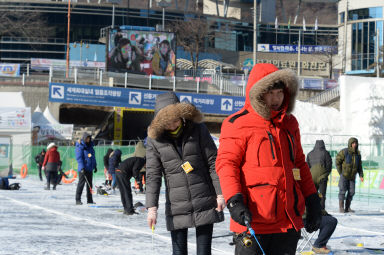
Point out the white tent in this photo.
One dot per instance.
(15, 131)
(46, 127)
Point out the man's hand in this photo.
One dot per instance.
(95, 171)
(314, 213)
(239, 212)
(362, 179)
(82, 171)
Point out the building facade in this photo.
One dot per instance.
(360, 35)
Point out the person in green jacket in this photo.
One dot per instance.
(348, 164)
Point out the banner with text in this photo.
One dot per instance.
(138, 98)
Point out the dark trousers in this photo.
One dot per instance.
(124, 184)
(346, 187)
(327, 227)
(80, 186)
(40, 176)
(322, 189)
(272, 244)
(51, 178)
(203, 240)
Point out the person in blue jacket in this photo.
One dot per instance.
(86, 160)
(114, 161)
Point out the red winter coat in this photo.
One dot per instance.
(51, 160)
(257, 153)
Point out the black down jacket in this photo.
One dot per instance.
(190, 197)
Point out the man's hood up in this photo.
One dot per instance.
(261, 78)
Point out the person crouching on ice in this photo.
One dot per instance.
(263, 174)
(125, 171)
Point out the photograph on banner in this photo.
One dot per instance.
(142, 52)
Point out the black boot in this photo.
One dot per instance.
(348, 206)
(54, 187)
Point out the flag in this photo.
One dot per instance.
(316, 27)
(276, 25)
(304, 28)
(294, 21)
(289, 23)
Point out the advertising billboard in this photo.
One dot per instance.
(142, 52)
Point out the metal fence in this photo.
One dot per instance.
(201, 81)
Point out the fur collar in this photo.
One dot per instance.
(171, 112)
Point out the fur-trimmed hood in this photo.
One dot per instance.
(262, 77)
(169, 113)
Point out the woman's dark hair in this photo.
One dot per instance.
(123, 41)
(165, 42)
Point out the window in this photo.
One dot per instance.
(365, 13)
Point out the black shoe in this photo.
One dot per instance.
(79, 203)
(130, 212)
(91, 203)
(54, 188)
(41, 179)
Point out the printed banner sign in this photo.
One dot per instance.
(305, 49)
(10, 70)
(15, 118)
(138, 98)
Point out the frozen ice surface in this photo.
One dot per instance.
(36, 221)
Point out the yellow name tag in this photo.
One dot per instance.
(296, 174)
(187, 167)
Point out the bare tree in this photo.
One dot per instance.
(329, 56)
(24, 24)
(191, 35)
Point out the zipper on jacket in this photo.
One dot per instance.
(296, 201)
(271, 142)
(290, 145)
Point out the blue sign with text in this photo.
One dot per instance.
(138, 98)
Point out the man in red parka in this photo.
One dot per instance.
(263, 174)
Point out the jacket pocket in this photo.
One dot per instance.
(263, 203)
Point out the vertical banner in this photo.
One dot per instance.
(118, 125)
(5, 156)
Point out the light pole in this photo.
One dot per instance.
(255, 3)
(164, 4)
(69, 25)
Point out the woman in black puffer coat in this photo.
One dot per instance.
(181, 149)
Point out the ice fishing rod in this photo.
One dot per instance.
(253, 234)
(90, 188)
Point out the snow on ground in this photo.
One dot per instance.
(36, 221)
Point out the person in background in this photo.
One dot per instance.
(328, 222)
(163, 61)
(39, 159)
(261, 165)
(108, 177)
(320, 162)
(180, 149)
(125, 171)
(86, 160)
(348, 164)
(113, 163)
(61, 173)
(51, 164)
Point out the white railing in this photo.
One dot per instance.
(325, 97)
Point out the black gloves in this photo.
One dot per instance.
(314, 214)
(239, 212)
(95, 171)
(66, 176)
(82, 171)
